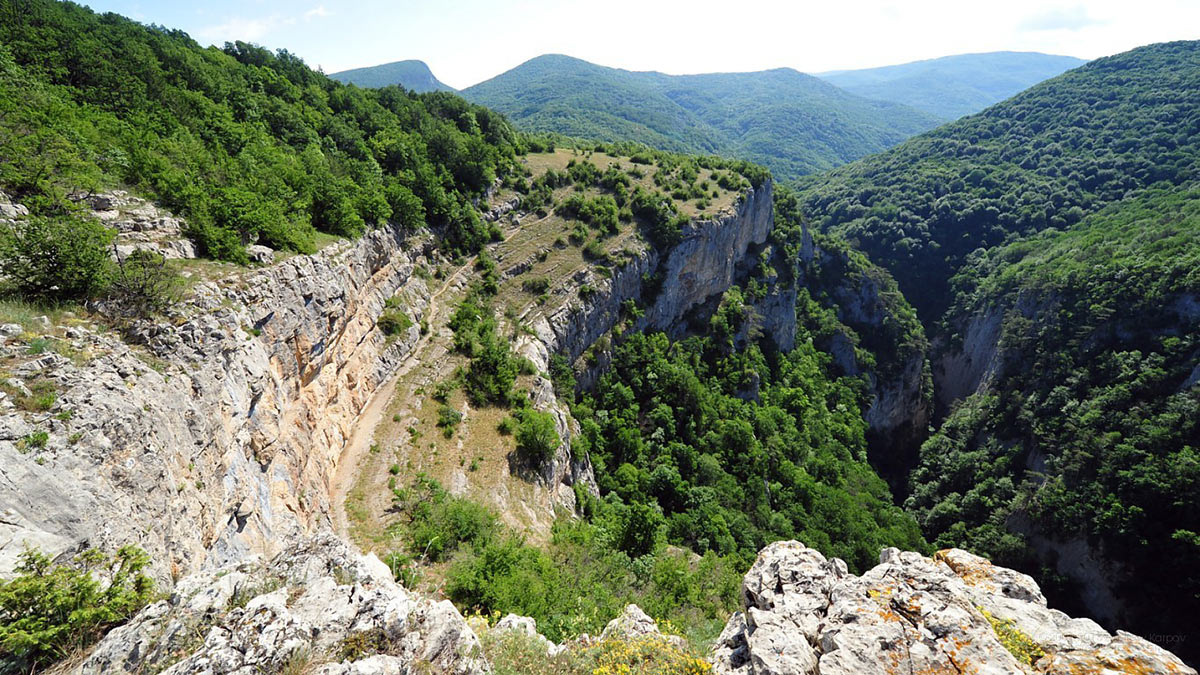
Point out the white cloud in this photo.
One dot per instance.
(1060, 18)
(317, 12)
(237, 28)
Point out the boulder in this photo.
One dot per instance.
(527, 626)
(318, 604)
(805, 614)
(262, 255)
(633, 624)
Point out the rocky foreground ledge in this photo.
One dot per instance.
(953, 613)
(320, 607)
(317, 607)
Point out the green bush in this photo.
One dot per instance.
(493, 371)
(142, 285)
(448, 420)
(54, 259)
(394, 320)
(537, 438)
(536, 285)
(50, 611)
(438, 523)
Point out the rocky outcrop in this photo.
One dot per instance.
(218, 437)
(953, 613)
(872, 310)
(635, 624)
(702, 266)
(317, 607)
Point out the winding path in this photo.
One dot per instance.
(363, 433)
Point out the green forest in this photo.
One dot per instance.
(751, 116)
(1092, 430)
(1043, 159)
(1069, 213)
(249, 145)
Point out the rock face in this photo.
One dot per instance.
(634, 624)
(316, 607)
(702, 266)
(901, 404)
(806, 614)
(218, 438)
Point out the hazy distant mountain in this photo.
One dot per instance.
(953, 86)
(412, 74)
(791, 122)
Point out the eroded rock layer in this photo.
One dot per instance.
(953, 613)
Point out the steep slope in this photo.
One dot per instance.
(412, 74)
(1044, 158)
(1076, 447)
(790, 122)
(265, 150)
(952, 86)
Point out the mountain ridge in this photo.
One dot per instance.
(412, 74)
(954, 85)
(797, 124)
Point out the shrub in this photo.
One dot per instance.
(639, 656)
(439, 523)
(1016, 641)
(563, 377)
(443, 389)
(34, 441)
(49, 611)
(493, 371)
(52, 260)
(394, 320)
(448, 420)
(595, 251)
(536, 285)
(142, 286)
(537, 438)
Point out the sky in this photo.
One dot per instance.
(468, 41)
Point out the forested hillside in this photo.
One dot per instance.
(1045, 158)
(792, 123)
(1092, 429)
(412, 75)
(952, 86)
(247, 144)
(1050, 244)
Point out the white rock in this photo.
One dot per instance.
(309, 600)
(807, 615)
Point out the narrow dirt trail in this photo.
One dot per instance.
(372, 414)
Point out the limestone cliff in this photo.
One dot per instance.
(709, 259)
(877, 318)
(317, 607)
(218, 437)
(702, 266)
